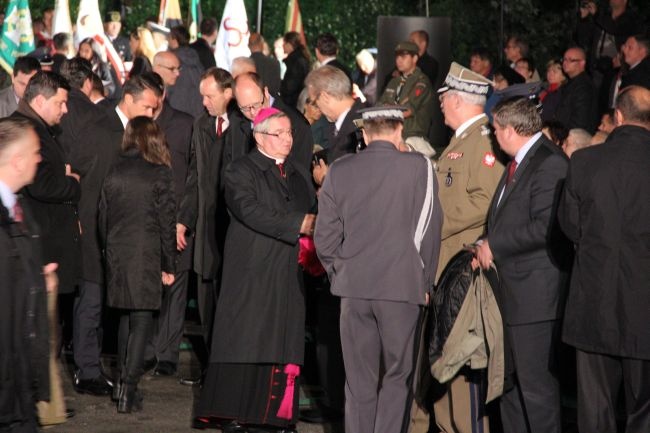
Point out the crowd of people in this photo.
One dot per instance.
(442, 285)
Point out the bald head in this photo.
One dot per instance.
(242, 65)
(167, 65)
(251, 94)
(633, 107)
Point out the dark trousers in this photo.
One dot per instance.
(87, 328)
(171, 319)
(331, 372)
(599, 380)
(132, 339)
(376, 334)
(533, 404)
(20, 427)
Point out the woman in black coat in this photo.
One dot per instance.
(138, 229)
(297, 62)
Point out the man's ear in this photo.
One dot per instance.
(618, 118)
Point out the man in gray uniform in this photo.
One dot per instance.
(379, 240)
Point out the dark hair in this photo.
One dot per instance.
(422, 35)
(255, 41)
(180, 34)
(208, 26)
(482, 53)
(61, 40)
(294, 39)
(93, 46)
(98, 86)
(141, 65)
(135, 86)
(13, 129)
(327, 44)
(381, 126)
(76, 71)
(643, 39)
(634, 104)
(26, 65)
(510, 75)
(222, 77)
(520, 43)
(46, 84)
(529, 62)
(144, 134)
(520, 113)
(557, 131)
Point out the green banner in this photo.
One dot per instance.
(17, 36)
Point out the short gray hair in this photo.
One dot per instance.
(469, 98)
(520, 113)
(12, 129)
(579, 138)
(330, 80)
(263, 126)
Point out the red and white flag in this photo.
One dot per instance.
(294, 20)
(89, 25)
(232, 40)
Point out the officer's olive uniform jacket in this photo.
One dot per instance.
(468, 173)
(417, 96)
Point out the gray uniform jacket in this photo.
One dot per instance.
(368, 210)
(7, 101)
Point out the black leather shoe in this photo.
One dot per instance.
(130, 399)
(320, 415)
(70, 413)
(96, 386)
(233, 427)
(165, 368)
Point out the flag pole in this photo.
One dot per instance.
(258, 29)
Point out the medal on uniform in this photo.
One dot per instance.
(448, 178)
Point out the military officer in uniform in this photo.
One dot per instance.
(468, 172)
(411, 89)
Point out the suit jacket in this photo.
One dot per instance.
(24, 343)
(81, 112)
(335, 63)
(578, 104)
(206, 55)
(346, 140)
(429, 65)
(198, 208)
(184, 95)
(366, 246)
(53, 198)
(294, 78)
(639, 75)
(177, 127)
(529, 251)
(260, 312)
(269, 69)
(605, 210)
(8, 102)
(93, 160)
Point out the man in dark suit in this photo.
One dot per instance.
(382, 268)
(268, 68)
(578, 102)
(141, 97)
(605, 210)
(327, 48)
(198, 212)
(427, 63)
(636, 53)
(252, 95)
(203, 45)
(523, 241)
(24, 69)
(23, 314)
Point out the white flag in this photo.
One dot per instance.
(232, 40)
(89, 25)
(61, 22)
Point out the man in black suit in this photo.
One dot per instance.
(636, 53)
(427, 63)
(268, 68)
(141, 96)
(327, 48)
(331, 90)
(24, 343)
(523, 242)
(203, 45)
(605, 210)
(252, 95)
(199, 208)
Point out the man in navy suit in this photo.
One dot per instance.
(529, 253)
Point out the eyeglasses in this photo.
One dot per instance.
(249, 108)
(283, 133)
(570, 60)
(172, 68)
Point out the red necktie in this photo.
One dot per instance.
(220, 126)
(512, 167)
(281, 167)
(18, 213)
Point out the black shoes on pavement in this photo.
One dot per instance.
(96, 386)
(165, 368)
